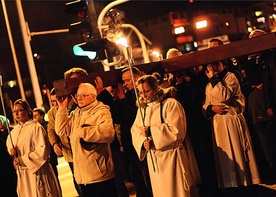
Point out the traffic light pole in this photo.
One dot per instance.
(56, 31)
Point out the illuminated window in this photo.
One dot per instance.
(179, 30)
(201, 24)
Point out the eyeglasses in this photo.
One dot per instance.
(145, 92)
(53, 101)
(82, 96)
(17, 111)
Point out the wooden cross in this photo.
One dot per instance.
(234, 49)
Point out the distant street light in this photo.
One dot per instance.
(201, 24)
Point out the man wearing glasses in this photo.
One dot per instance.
(90, 129)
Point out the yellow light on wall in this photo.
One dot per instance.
(201, 24)
(179, 30)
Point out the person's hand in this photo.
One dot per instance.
(147, 144)
(62, 103)
(57, 149)
(144, 131)
(15, 161)
(119, 92)
(219, 109)
(260, 86)
(99, 84)
(209, 71)
(270, 112)
(13, 152)
(179, 80)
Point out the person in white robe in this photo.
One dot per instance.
(28, 145)
(157, 134)
(233, 150)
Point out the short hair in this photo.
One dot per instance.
(216, 40)
(40, 111)
(173, 51)
(75, 70)
(53, 91)
(135, 71)
(25, 106)
(151, 80)
(256, 32)
(159, 77)
(93, 89)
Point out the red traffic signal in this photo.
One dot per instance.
(44, 91)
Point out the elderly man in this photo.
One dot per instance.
(91, 131)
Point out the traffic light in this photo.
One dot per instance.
(100, 48)
(44, 91)
(76, 7)
(82, 27)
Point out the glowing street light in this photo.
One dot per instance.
(201, 24)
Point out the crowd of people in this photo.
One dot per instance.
(198, 132)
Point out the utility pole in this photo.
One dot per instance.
(18, 74)
(26, 34)
(29, 56)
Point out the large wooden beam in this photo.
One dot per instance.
(234, 49)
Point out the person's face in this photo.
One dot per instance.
(126, 77)
(174, 54)
(146, 92)
(84, 96)
(54, 101)
(37, 116)
(2, 127)
(74, 75)
(213, 44)
(256, 33)
(217, 67)
(20, 114)
(196, 69)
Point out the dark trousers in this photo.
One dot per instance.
(101, 189)
(267, 136)
(140, 176)
(119, 173)
(77, 186)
